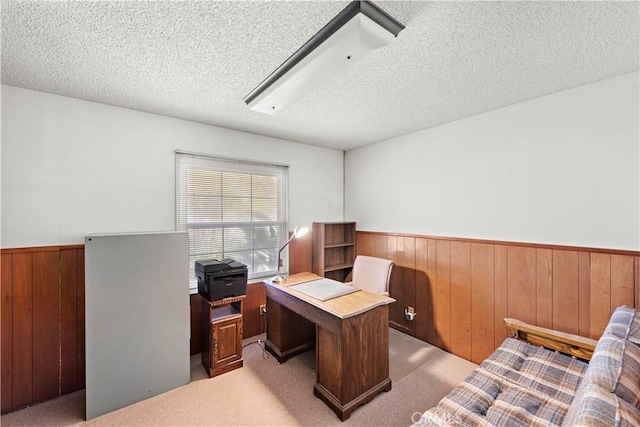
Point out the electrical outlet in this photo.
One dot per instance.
(410, 313)
(263, 309)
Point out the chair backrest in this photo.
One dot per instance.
(372, 274)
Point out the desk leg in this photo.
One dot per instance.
(354, 367)
(288, 333)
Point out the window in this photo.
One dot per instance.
(232, 209)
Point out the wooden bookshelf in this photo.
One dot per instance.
(334, 249)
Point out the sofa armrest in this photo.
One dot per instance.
(573, 345)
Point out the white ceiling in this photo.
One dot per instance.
(196, 60)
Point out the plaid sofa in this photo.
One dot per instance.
(524, 385)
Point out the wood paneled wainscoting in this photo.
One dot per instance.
(463, 288)
(42, 324)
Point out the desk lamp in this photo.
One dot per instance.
(297, 232)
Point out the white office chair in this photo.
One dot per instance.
(372, 274)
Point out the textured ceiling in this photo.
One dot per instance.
(196, 60)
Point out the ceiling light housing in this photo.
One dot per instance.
(360, 28)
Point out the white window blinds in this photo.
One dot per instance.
(232, 209)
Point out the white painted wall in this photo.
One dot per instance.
(561, 169)
(71, 167)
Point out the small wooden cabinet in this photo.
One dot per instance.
(222, 335)
(334, 249)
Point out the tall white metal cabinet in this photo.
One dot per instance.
(137, 317)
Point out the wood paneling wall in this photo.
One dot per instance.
(462, 288)
(42, 324)
(195, 343)
(42, 309)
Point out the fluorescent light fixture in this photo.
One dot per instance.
(360, 28)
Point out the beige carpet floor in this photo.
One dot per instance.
(266, 393)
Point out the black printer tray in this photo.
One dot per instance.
(219, 286)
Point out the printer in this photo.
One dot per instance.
(221, 279)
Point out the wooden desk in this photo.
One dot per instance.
(351, 339)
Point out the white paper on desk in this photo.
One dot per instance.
(324, 289)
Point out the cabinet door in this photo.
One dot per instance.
(227, 341)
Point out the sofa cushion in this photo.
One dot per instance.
(484, 398)
(554, 374)
(615, 366)
(518, 406)
(624, 323)
(519, 384)
(634, 329)
(592, 406)
(441, 416)
(596, 406)
(628, 387)
(610, 391)
(629, 414)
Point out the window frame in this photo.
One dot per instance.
(185, 160)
